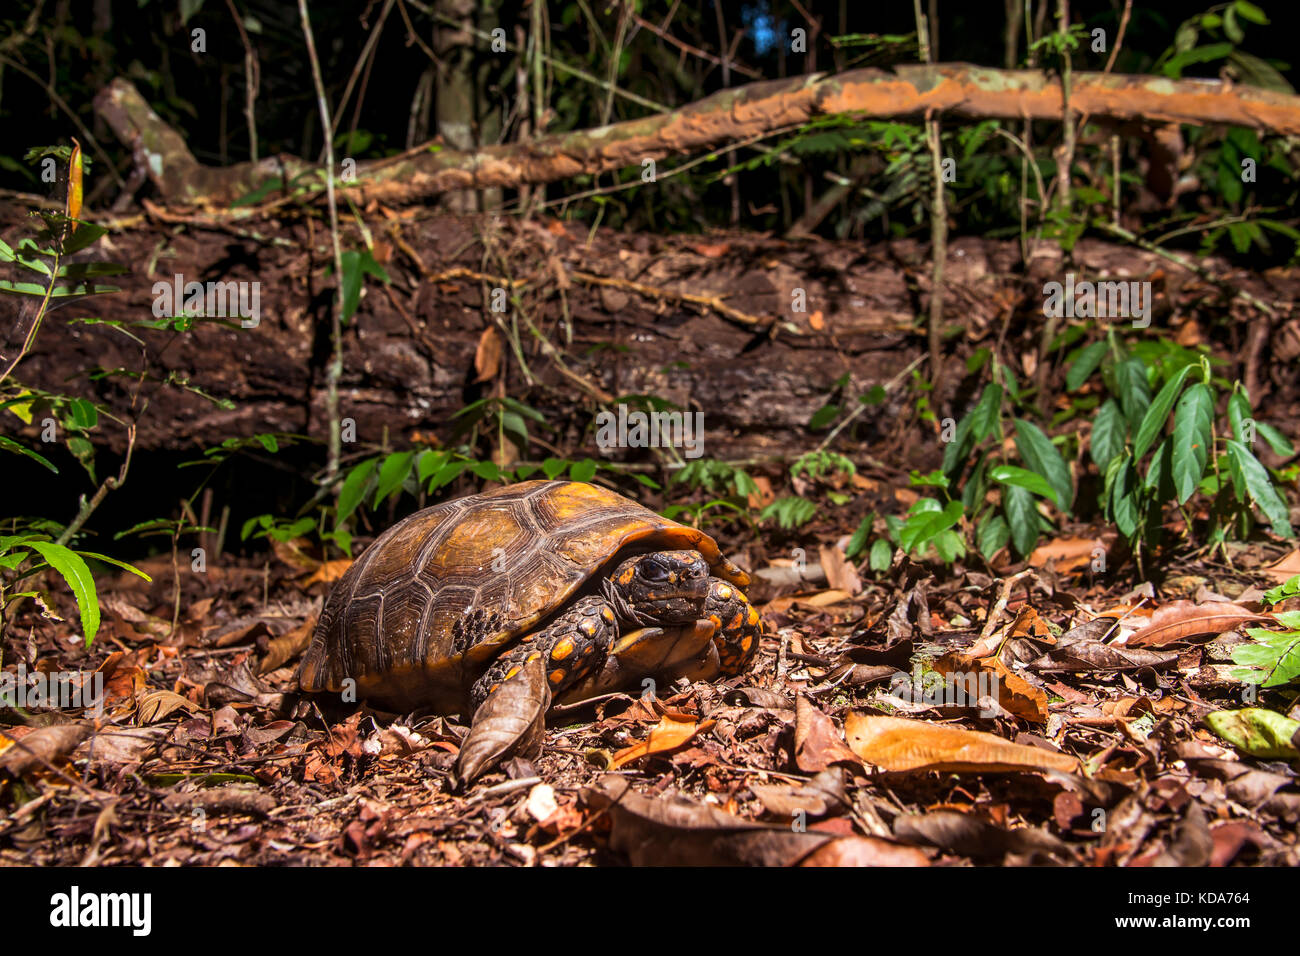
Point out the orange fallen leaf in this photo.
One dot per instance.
(816, 320)
(487, 357)
(1285, 569)
(668, 735)
(1010, 690)
(328, 572)
(820, 599)
(1069, 554)
(710, 250)
(900, 744)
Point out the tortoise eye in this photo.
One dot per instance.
(654, 571)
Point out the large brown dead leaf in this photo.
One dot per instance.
(280, 650)
(511, 721)
(900, 744)
(865, 851)
(674, 831)
(841, 575)
(1285, 569)
(1096, 656)
(967, 835)
(817, 742)
(41, 748)
(1185, 621)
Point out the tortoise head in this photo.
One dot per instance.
(662, 587)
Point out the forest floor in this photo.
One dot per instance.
(1085, 744)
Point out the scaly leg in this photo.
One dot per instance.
(737, 627)
(572, 646)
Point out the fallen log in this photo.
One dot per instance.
(724, 118)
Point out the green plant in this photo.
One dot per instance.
(1147, 466)
(789, 512)
(25, 554)
(1221, 25)
(976, 460)
(1275, 660)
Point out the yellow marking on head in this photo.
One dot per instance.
(717, 621)
(608, 615)
(724, 592)
(562, 649)
(626, 576)
(511, 673)
(557, 675)
(747, 643)
(535, 655)
(735, 622)
(588, 628)
(493, 689)
(753, 616)
(672, 577)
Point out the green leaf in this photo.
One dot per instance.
(1256, 731)
(858, 543)
(1022, 517)
(926, 525)
(114, 561)
(354, 486)
(84, 414)
(356, 264)
(1288, 588)
(1133, 390)
(391, 475)
(74, 570)
(993, 535)
(1090, 357)
(823, 417)
(1193, 422)
(1124, 496)
(1020, 478)
(428, 463)
(985, 415)
(554, 466)
(8, 444)
(1260, 486)
(1108, 432)
(1238, 411)
(583, 470)
(1153, 422)
(86, 234)
(1280, 444)
(447, 474)
(882, 555)
(1038, 452)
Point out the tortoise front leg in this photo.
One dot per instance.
(571, 647)
(737, 626)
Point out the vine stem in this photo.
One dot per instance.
(334, 373)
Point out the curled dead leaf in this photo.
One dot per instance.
(510, 721)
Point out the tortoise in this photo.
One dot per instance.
(561, 584)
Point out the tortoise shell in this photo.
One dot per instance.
(436, 597)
